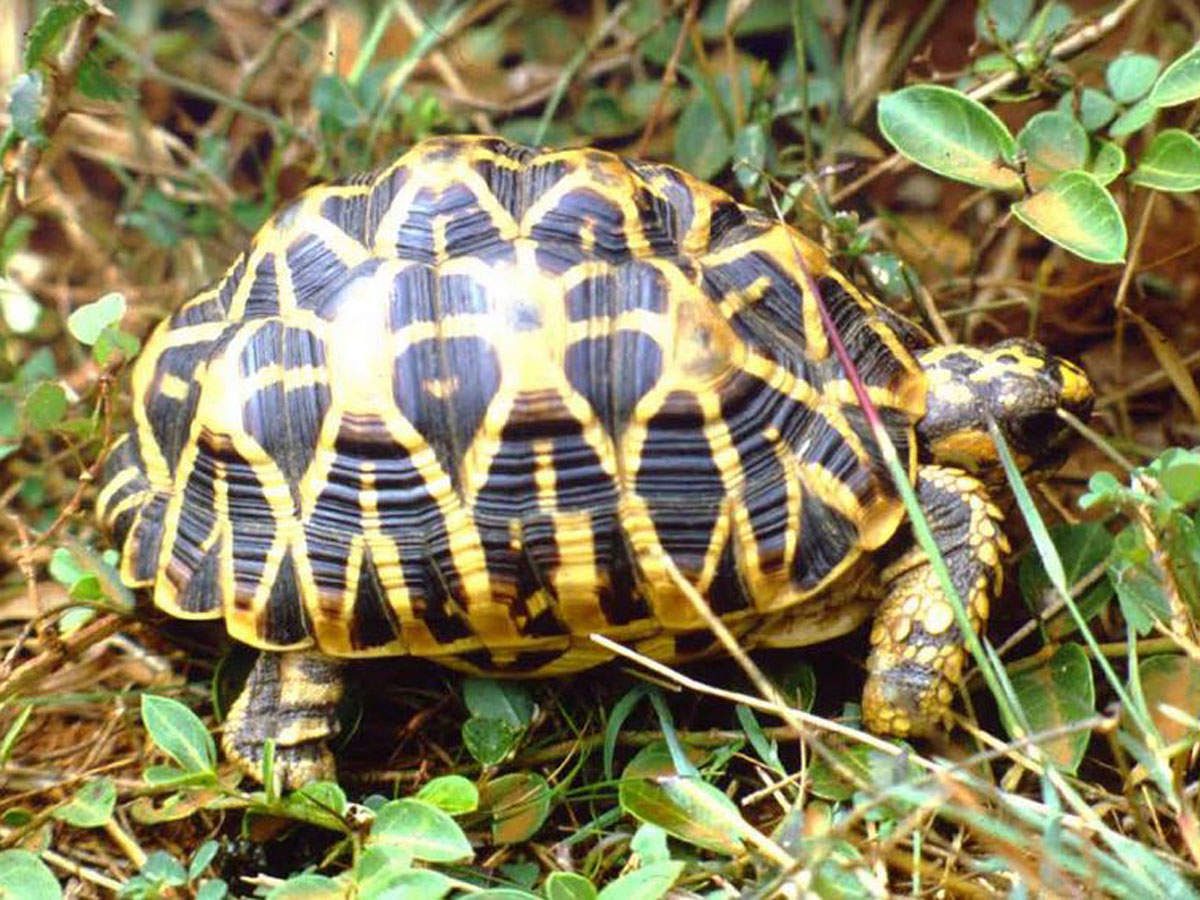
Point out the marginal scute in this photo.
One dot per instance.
(489, 400)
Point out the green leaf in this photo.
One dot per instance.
(490, 698)
(649, 844)
(14, 733)
(45, 405)
(179, 733)
(612, 730)
(95, 81)
(25, 107)
(1179, 475)
(1131, 75)
(1001, 20)
(765, 747)
(504, 894)
(451, 793)
(1107, 162)
(688, 808)
(701, 144)
(1053, 142)
(1076, 212)
(161, 867)
(87, 322)
(750, 154)
(308, 887)
(568, 886)
(1133, 119)
(212, 889)
(647, 883)
(25, 877)
(1096, 108)
(1138, 581)
(489, 740)
(419, 830)
(1180, 82)
(602, 115)
(1048, 23)
(321, 803)
(113, 341)
(1053, 696)
(1082, 548)
(949, 133)
(383, 874)
(336, 103)
(1170, 163)
(519, 804)
(202, 858)
(48, 28)
(91, 806)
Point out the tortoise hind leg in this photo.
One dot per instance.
(292, 698)
(917, 650)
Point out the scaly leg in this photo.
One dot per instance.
(917, 650)
(292, 698)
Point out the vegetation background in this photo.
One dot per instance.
(145, 140)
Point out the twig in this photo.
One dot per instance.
(224, 115)
(1068, 46)
(573, 66)
(47, 661)
(59, 85)
(669, 77)
(442, 66)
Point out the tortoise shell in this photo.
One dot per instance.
(489, 400)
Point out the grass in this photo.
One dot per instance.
(142, 150)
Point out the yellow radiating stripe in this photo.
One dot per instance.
(157, 471)
(237, 303)
(118, 482)
(290, 378)
(173, 387)
(131, 502)
(575, 579)
(544, 480)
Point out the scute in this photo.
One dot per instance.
(489, 400)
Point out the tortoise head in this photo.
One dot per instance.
(1020, 385)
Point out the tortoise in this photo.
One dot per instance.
(489, 400)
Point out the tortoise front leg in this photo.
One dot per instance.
(292, 698)
(918, 653)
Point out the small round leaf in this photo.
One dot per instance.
(1095, 108)
(25, 877)
(949, 133)
(91, 806)
(519, 803)
(1180, 82)
(1108, 162)
(647, 883)
(1170, 163)
(420, 830)
(1076, 212)
(568, 886)
(179, 733)
(1053, 143)
(451, 793)
(1056, 694)
(45, 405)
(1131, 75)
(1133, 119)
(86, 323)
